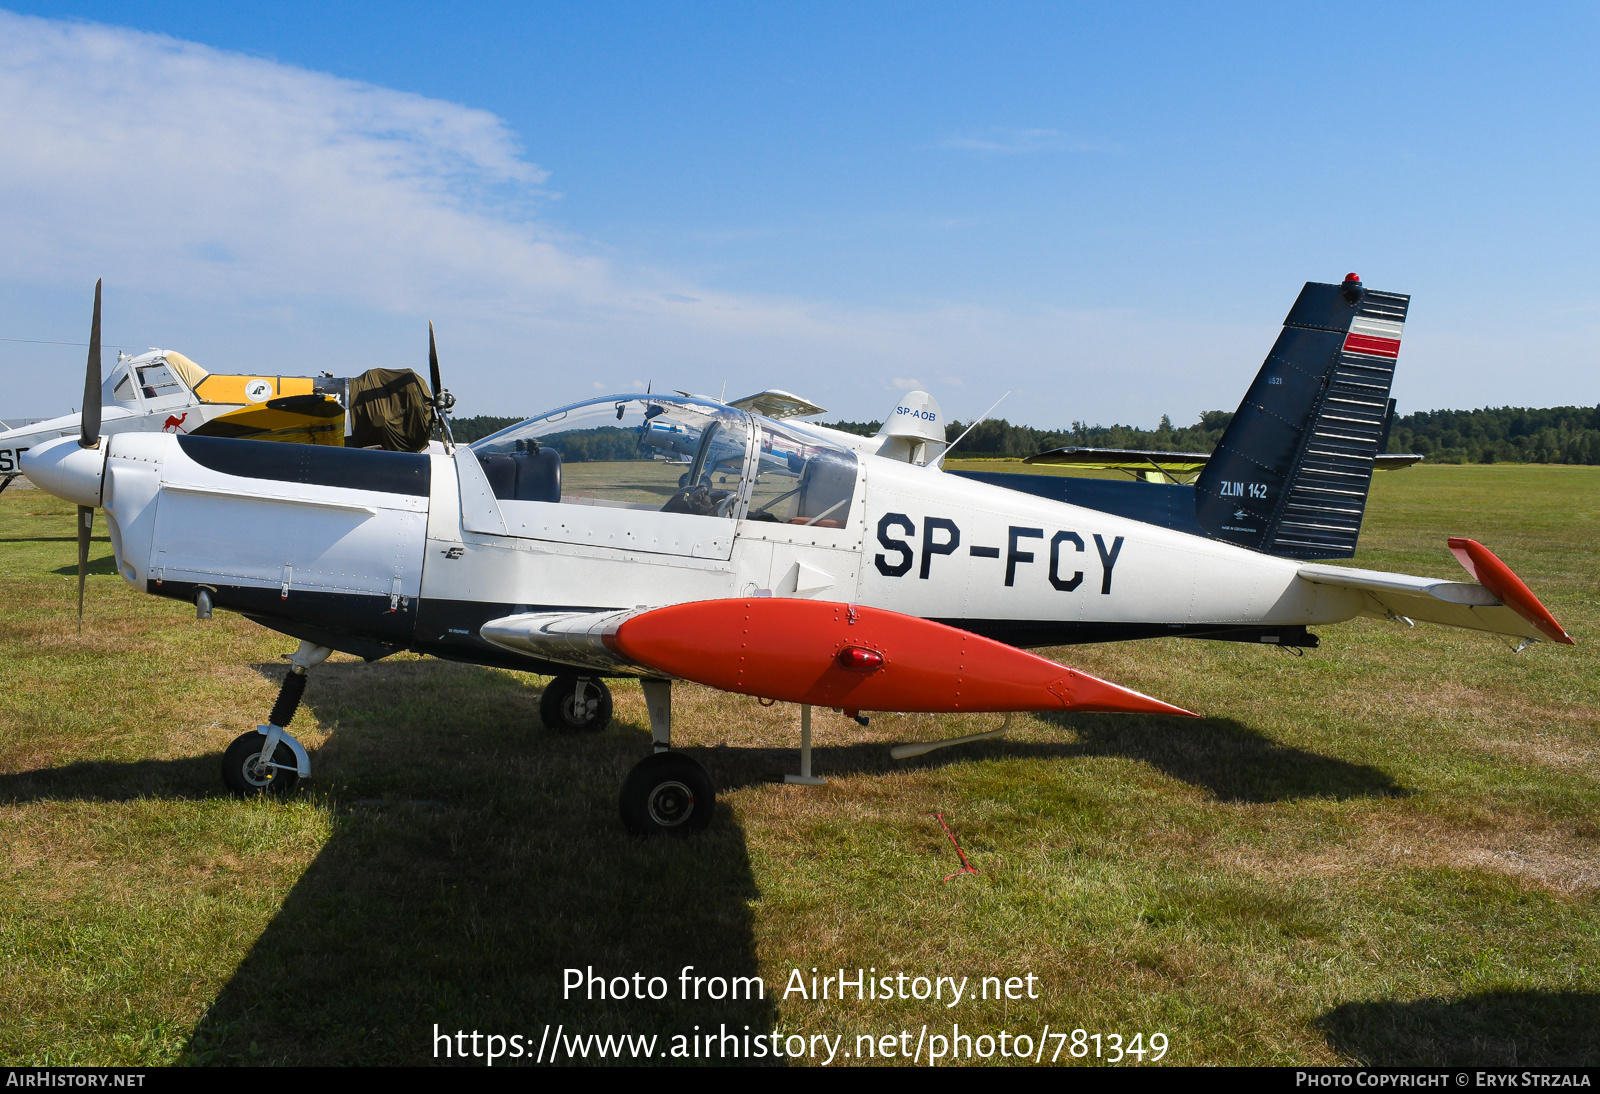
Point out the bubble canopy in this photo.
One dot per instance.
(675, 455)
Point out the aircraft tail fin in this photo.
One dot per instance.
(1291, 473)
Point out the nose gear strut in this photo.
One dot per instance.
(273, 765)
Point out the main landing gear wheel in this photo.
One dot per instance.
(667, 794)
(560, 708)
(247, 776)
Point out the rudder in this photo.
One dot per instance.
(1291, 473)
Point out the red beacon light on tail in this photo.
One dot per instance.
(1351, 288)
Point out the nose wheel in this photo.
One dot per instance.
(269, 760)
(576, 704)
(244, 772)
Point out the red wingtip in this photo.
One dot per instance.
(1497, 577)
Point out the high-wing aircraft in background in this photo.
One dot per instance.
(162, 391)
(1181, 467)
(789, 562)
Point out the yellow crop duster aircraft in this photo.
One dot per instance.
(162, 391)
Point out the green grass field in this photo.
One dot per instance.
(1386, 851)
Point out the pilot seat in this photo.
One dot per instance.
(826, 487)
(531, 473)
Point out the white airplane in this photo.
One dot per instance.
(162, 391)
(814, 567)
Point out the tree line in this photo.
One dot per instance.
(1562, 434)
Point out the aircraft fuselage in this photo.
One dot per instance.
(373, 552)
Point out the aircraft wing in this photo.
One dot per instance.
(817, 652)
(1501, 604)
(1175, 464)
(777, 404)
(315, 418)
(1124, 459)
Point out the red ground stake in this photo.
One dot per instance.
(966, 867)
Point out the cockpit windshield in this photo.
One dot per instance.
(630, 452)
(674, 455)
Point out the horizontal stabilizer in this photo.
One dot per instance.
(1480, 607)
(857, 658)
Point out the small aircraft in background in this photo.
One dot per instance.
(1179, 467)
(162, 391)
(824, 569)
(1184, 467)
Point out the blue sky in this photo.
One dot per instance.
(1105, 208)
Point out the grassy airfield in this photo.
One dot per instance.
(1386, 851)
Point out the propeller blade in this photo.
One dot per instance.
(433, 362)
(91, 399)
(443, 401)
(85, 529)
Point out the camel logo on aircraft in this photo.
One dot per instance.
(174, 423)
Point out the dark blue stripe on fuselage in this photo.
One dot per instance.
(1167, 505)
(314, 464)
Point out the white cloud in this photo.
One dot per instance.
(259, 215)
(235, 174)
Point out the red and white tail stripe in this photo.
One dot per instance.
(1374, 337)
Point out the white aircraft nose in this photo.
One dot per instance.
(64, 468)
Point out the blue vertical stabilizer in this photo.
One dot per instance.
(1290, 476)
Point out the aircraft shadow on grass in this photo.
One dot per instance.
(1498, 1028)
(476, 856)
(98, 567)
(189, 779)
(1230, 760)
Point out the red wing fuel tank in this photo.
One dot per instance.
(859, 658)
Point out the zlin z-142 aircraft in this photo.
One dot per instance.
(789, 562)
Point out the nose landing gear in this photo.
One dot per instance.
(267, 760)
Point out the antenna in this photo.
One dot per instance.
(939, 463)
